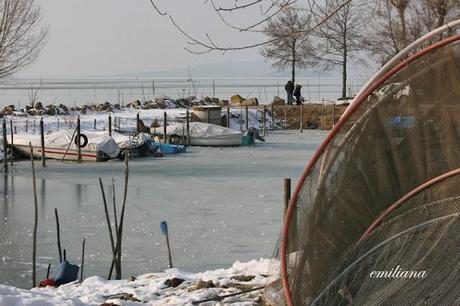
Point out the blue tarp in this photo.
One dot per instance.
(66, 273)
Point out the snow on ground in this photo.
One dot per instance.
(125, 120)
(151, 288)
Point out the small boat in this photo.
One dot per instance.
(61, 145)
(205, 134)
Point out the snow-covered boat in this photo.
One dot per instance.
(95, 146)
(205, 134)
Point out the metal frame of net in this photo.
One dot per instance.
(394, 156)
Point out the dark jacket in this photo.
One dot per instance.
(297, 91)
(289, 87)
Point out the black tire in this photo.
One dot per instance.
(85, 140)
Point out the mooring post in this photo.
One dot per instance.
(287, 193)
(138, 123)
(27, 126)
(286, 108)
(228, 116)
(301, 118)
(188, 127)
(110, 125)
(247, 117)
(265, 120)
(34, 126)
(322, 115)
(78, 140)
(11, 143)
(5, 149)
(42, 141)
(164, 231)
(273, 116)
(165, 123)
(58, 123)
(333, 115)
(95, 124)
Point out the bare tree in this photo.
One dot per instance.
(341, 35)
(21, 35)
(290, 47)
(397, 23)
(260, 12)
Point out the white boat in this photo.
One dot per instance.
(95, 146)
(205, 134)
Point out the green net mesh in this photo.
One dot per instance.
(406, 133)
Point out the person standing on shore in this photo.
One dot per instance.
(298, 94)
(289, 90)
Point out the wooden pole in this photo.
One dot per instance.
(78, 141)
(95, 124)
(287, 193)
(285, 116)
(34, 237)
(11, 143)
(165, 123)
(42, 141)
(58, 234)
(273, 116)
(265, 120)
(58, 123)
(65, 255)
(301, 118)
(228, 116)
(82, 259)
(188, 128)
(138, 123)
(27, 126)
(110, 125)
(164, 231)
(5, 148)
(247, 118)
(333, 115)
(34, 126)
(322, 115)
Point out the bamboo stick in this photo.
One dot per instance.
(107, 219)
(58, 234)
(122, 215)
(82, 259)
(34, 247)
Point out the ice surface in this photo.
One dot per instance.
(222, 205)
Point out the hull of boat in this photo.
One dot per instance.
(60, 153)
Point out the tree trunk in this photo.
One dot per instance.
(293, 54)
(344, 73)
(441, 11)
(401, 6)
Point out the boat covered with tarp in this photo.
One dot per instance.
(95, 146)
(206, 134)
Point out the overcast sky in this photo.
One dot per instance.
(104, 37)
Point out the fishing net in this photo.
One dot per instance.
(405, 133)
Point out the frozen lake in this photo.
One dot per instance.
(222, 205)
